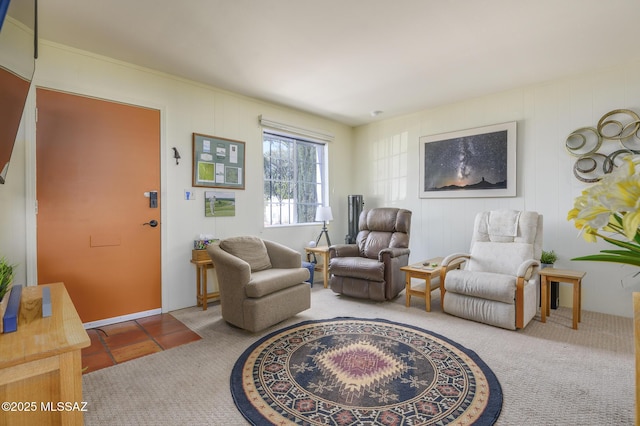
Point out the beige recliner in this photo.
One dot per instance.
(499, 282)
(261, 282)
(370, 268)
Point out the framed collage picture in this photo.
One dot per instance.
(218, 162)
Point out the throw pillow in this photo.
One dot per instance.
(250, 249)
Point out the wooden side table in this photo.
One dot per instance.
(323, 251)
(423, 270)
(202, 295)
(41, 363)
(547, 275)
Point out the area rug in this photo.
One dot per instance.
(350, 371)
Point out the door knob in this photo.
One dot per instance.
(152, 223)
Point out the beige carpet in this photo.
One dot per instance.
(550, 374)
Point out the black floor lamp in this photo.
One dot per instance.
(323, 213)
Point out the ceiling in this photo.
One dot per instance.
(343, 59)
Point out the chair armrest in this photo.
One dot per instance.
(454, 257)
(344, 250)
(229, 268)
(393, 252)
(527, 268)
(282, 256)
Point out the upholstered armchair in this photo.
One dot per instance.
(370, 268)
(499, 282)
(261, 282)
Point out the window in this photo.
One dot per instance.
(295, 180)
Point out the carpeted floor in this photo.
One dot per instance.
(550, 374)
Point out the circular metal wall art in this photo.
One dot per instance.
(583, 141)
(615, 129)
(621, 125)
(591, 168)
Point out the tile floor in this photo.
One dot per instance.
(117, 343)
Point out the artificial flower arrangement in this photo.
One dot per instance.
(612, 207)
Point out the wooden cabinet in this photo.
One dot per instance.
(41, 366)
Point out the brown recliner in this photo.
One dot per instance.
(370, 268)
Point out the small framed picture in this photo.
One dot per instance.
(219, 203)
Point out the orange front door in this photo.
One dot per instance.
(95, 161)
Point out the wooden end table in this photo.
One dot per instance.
(426, 272)
(202, 295)
(323, 251)
(42, 362)
(547, 275)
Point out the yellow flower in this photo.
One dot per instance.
(613, 206)
(617, 192)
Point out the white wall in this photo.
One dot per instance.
(186, 107)
(379, 161)
(545, 114)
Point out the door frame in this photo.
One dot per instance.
(30, 180)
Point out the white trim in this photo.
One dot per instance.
(31, 203)
(123, 318)
(315, 134)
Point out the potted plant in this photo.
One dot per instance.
(6, 280)
(548, 258)
(6, 276)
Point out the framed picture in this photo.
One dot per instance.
(219, 203)
(478, 162)
(218, 162)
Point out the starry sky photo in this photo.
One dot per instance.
(474, 162)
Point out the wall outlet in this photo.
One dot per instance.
(189, 194)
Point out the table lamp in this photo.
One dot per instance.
(323, 213)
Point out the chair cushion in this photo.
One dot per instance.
(484, 285)
(357, 267)
(250, 249)
(500, 258)
(271, 280)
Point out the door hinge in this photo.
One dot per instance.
(36, 114)
(36, 206)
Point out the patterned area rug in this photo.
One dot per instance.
(348, 371)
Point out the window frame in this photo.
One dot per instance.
(322, 179)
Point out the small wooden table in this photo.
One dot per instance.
(201, 282)
(547, 275)
(323, 251)
(41, 364)
(422, 270)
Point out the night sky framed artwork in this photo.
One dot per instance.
(478, 162)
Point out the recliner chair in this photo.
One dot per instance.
(370, 268)
(499, 283)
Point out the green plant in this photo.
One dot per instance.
(548, 257)
(612, 205)
(6, 276)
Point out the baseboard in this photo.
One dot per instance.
(123, 318)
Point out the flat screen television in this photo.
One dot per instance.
(18, 44)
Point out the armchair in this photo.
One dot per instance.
(370, 268)
(261, 282)
(499, 283)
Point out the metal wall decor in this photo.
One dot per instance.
(596, 158)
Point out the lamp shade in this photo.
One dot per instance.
(323, 214)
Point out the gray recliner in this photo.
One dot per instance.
(261, 282)
(499, 283)
(370, 268)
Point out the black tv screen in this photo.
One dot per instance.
(17, 64)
